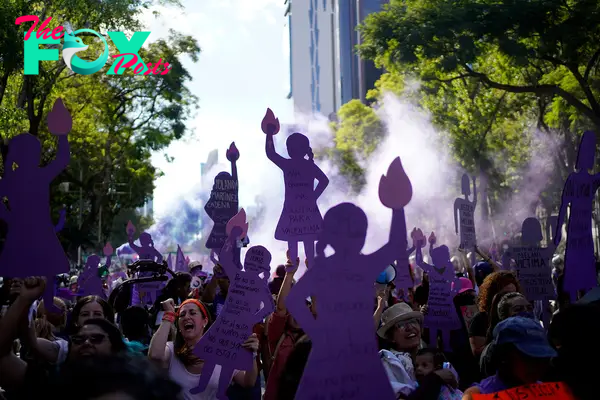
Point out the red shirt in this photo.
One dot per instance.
(276, 329)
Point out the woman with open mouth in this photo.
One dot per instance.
(191, 321)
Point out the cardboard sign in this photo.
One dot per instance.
(248, 291)
(551, 390)
(465, 209)
(443, 286)
(26, 187)
(344, 362)
(578, 194)
(89, 283)
(180, 262)
(223, 203)
(300, 219)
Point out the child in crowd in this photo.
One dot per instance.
(431, 386)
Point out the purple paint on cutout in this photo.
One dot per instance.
(221, 344)
(300, 219)
(533, 265)
(223, 203)
(180, 264)
(170, 262)
(443, 286)
(578, 193)
(145, 251)
(62, 217)
(26, 186)
(344, 361)
(464, 211)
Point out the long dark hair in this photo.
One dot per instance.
(109, 314)
(114, 335)
(182, 351)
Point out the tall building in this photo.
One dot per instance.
(325, 70)
(147, 210)
(211, 160)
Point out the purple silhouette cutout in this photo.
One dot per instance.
(443, 286)
(89, 282)
(404, 281)
(300, 219)
(26, 186)
(344, 360)
(533, 265)
(578, 193)
(465, 209)
(170, 262)
(62, 217)
(223, 203)
(180, 264)
(143, 294)
(221, 344)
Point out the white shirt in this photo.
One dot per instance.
(187, 380)
(400, 371)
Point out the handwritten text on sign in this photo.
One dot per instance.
(551, 390)
(441, 308)
(467, 225)
(533, 272)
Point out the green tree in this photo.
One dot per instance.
(551, 45)
(117, 120)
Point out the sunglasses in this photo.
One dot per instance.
(409, 322)
(93, 339)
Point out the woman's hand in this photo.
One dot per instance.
(425, 309)
(168, 305)
(447, 376)
(251, 344)
(29, 289)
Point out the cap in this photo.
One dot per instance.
(465, 284)
(483, 267)
(526, 335)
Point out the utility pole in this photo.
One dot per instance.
(80, 219)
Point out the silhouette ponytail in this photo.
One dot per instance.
(309, 153)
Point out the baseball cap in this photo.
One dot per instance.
(526, 335)
(465, 284)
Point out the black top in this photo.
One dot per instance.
(479, 324)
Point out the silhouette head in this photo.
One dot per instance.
(344, 229)
(257, 260)
(25, 150)
(92, 261)
(223, 175)
(146, 239)
(465, 185)
(440, 257)
(587, 151)
(531, 231)
(298, 146)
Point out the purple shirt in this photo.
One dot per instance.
(492, 384)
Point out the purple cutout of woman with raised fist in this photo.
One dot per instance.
(26, 186)
(443, 286)
(344, 360)
(300, 219)
(222, 343)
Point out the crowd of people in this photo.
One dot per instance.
(93, 349)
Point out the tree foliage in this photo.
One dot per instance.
(118, 120)
(489, 74)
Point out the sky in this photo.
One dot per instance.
(243, 69)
